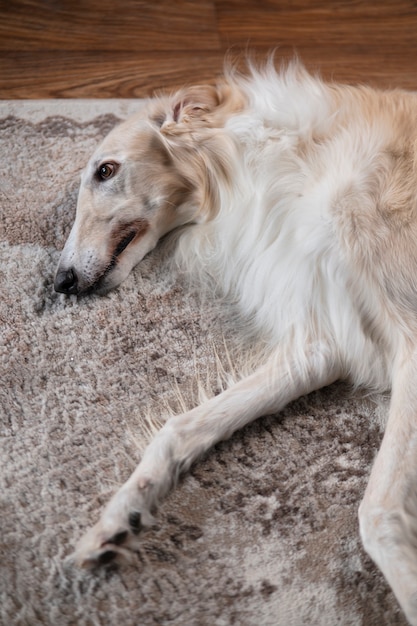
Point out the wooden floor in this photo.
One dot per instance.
(130, 48)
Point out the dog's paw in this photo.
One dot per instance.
(109, 541)
(117, 533)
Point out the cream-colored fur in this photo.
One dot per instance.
(296, 200)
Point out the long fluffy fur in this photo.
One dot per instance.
(304, 210)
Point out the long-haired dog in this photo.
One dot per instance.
(298, 200)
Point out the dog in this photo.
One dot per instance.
(296, 200)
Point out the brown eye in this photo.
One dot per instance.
(106, 171)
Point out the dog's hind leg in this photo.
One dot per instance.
(185, 437)
(388, 512)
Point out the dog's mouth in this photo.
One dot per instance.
(122, 245)
(123, 235)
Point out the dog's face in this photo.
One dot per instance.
(130, 195)
(153, 173)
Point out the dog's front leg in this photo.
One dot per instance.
(388, 512)
(185, 437)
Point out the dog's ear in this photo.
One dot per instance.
(194, 103)
(199, 106)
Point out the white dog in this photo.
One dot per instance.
(298, 200)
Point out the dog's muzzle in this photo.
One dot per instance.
(66, 281)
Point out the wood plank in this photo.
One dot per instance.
(134, 25)
(121, 75)
(322, 23)
(102, 74)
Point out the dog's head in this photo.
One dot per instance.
(157, 171)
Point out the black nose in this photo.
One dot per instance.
(66, 281)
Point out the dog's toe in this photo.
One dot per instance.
(135, 522)
(98, 558)
(119, 538)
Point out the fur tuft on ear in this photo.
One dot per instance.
(195, 103)
(201, 106)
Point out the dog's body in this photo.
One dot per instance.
(298, 200)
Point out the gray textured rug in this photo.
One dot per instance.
(263, 531)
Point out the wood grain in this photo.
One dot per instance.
(321, 23)
(133, 25)
(64, 48)
(103, 74)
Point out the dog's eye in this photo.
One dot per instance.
(106, 171)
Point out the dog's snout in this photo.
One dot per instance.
(66, 281)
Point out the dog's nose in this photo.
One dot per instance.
(66, 281)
